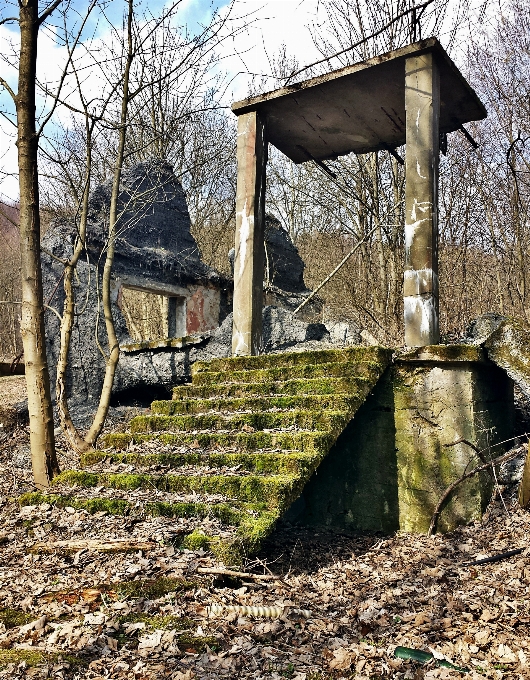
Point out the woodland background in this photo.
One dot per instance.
(484, 193)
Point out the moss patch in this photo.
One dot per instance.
(37, 658)
(275, 373)
(304, 402)
(306, 442)
(272, 489)
(352, 385)
(307, 420)
(230, 514)
(357, 354)
(11, 618)
(442, 353)
(265, 463)
(186, 639)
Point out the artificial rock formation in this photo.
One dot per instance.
(154, 250)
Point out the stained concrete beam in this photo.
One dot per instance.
(250, 226)
(359, 108)
(420, 289)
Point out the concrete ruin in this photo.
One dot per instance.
(434, 396)
(411, 95)
(358, 439)
(157, 254)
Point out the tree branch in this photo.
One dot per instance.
(48, 12)
(6, 86)
(496, 461)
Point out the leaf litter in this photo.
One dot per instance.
(157, 614)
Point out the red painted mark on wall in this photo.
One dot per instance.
(195, 321)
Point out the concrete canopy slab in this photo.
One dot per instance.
(358, 108)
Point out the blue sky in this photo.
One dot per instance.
(274, 23)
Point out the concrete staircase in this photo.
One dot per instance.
(231, 451)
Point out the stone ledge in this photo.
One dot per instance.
(442, 354)
(165, 343)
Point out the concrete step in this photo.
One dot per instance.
(266, 462)
(338, 369)
(355, 355)
(268, 420)
(271, 489)
(226, 527)
(312, 402)
(341, 387)
(235, 442)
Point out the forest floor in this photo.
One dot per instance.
(342, 603)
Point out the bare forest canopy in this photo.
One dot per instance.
(484, 199)
(10, 341)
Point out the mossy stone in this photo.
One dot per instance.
(12, 618)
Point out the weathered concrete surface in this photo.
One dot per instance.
(356, 488)
(420, 285)
(443, 395)
(391, 465)
(509, 347)
(483, 326)
(357, 108)
(250, 225)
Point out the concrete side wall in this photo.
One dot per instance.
(392, 464)
(437, 405)
(355, 487)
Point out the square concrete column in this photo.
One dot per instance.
(250, 226)
(420, 286)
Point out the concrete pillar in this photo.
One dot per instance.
(250, 225)
(444, 395)
(420, 289)
(175, 314)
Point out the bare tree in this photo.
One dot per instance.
(42, 439)
(135, 119)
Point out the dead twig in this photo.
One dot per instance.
(236, 574)
(495, 558)
(496, 461)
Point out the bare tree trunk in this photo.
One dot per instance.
(114, 347)
(42, 439)
(67, 322)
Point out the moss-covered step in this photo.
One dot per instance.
(273, 489)
(229, 513)
(356, 355)
(304, 442)
(346, 386)
(338, 369)
(251, 522)
(273, 462)
(277, 420)
(307, 402)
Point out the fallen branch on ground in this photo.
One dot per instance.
(236, 574)
(494, 558)
(496, 461)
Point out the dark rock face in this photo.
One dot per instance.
(154, 244)
(284, 268)
(153, 230)
(86, 363)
